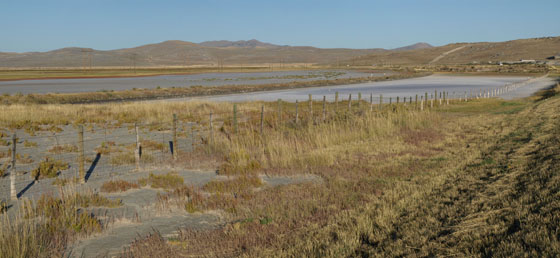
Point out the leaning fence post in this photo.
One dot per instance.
(175, 147)
(349, 102)
(13, 172)
(137, 150)
(81, 159)
(262, 119)
(235, 118)
(297, 112)
(324, 108)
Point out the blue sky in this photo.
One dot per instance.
(46, 25)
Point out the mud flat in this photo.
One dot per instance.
(39, 86)
(455, 85)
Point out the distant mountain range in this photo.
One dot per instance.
(239, 43)
(420, 45)
(244, 52)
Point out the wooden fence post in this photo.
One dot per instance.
(350, 102)
(137, 150)
(359, 100)
(175, 147)
(336, 101)
(324, 108)
(235, 118)
(192, 138)
(211, 127)
(13, 193)
(262, 119)
(310, 109)
(371, 102)
(279, 112)
(297, 115)
(390, 100)
(416, 102)
(380, 101)
(397, 100)
(81, 158)
(421, 103)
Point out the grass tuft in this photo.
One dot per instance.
(170, 180)
(49, 168)
(117, 186)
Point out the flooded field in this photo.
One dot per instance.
(168, 81)
(457, 86)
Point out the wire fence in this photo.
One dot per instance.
(106, 151)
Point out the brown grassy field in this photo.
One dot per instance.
(443, 183)
(477, 178)
(479, 52)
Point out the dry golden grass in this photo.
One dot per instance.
(117, 186)
(45, 228)
(170, 180)
(388, 179)
(20, 116)
(389, 186)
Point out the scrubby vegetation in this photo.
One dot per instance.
(167, 181)
(49, 168)
(46, 228)
(477, 178)
(467, 181)
(117, 186)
